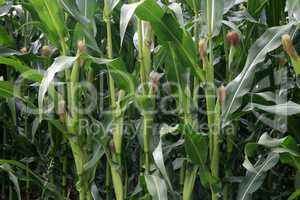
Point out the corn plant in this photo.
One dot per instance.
(109, 99)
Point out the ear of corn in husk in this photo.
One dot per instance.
(289, 48)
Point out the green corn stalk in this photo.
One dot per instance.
(190, 177)
(210, 94)
(189, 182)
(212, 116)
(117, 120)
(144, 50)
(80, 158)
(80, 155)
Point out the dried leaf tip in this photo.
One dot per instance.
(202, 49)
(289, 47)
(81, 46)
(222, 94)
(154, 78)
(233, 39)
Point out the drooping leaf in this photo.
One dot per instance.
(285, 109)
(156, 187)
(159, 161)
(26, 72)
(127, 11)
(253, 180)
(268, 141)
(60, 64)
(237, 88)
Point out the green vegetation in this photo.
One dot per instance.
(110, 99)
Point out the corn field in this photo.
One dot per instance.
(149, 99)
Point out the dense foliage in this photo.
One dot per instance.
(147, 99)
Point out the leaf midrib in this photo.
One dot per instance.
(247, 71)
(197, 151)
(53, 19)
(258, 172)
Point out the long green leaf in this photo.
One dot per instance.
(253, 180)
(60, 64)
(212, 11)
(159, 161)
(26, 72)
(285, 109)
(196, 147)
(51, 14)
(166, 28)
(237, 88)
(127, 11)
(156, 187)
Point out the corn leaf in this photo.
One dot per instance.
(212, 11)
(60, 64)
(13, 178)
(253, 180)
(51, 14)
(196, 147)
(166, 28)
(156, 187)
(159, 161)
(238, 87)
